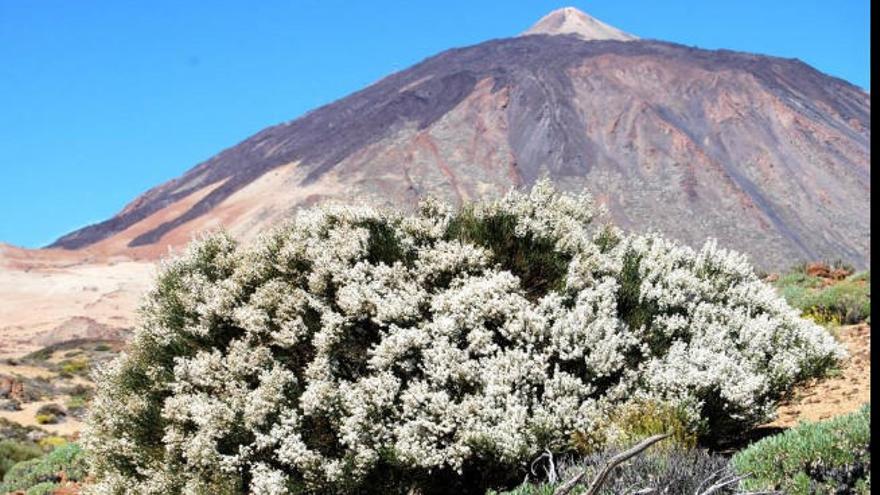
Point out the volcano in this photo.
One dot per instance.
(767, 155)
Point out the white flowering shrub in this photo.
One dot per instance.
(358, 350)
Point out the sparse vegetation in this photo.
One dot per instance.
(42, 475)
(13, 452)
(50, 414)
(829, 294)
(833, 456)
(74, 367)
(76, 404)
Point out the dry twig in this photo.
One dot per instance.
(611, 464)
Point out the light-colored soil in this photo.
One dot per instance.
(28, 371)
(840, 394)
(46, 301)
(67, 426)
(25, 370)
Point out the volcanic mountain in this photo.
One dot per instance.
(768, 155)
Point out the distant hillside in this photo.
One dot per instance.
(768, 155)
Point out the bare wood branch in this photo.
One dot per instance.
(551, 470)
(611, 464)
(712, 477)
(568, 485)
(727, 481)
(552, 476)
(639, 491)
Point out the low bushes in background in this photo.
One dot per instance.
(843, 298)
(15, 451)
(42, 474)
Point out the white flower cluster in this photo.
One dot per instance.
(354, 340)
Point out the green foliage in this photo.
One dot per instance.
(636, 312)
(383, 244)
(49, 414)
(812, 458)
(41, 474)
(46, 419)
(44, 488)
(74, 366)
(13, 452)
(76, 402)
(536, 261)
(838, 303)
(636, 420)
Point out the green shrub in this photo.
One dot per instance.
(13, 452)
(440, 350)
(43, 488)
(636, 420)
(44, 472)
(812, 458)
(838, 303)
(74, 366)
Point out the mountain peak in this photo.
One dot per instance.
(569, 20)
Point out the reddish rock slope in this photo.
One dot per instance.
(767, 154)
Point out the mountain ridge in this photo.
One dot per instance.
(428, 91)
(766, 154)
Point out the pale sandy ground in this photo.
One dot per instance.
(44, 303)
(66, 427)
(29, 371)
(25, 370)
(27, 415)
(847, 392)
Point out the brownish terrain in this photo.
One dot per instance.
(51, 296)
(766, 154)
(842, 393)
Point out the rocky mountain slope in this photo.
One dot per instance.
(767, 154)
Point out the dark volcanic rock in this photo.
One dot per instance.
(768, 155)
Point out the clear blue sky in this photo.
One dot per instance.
(101, 100)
